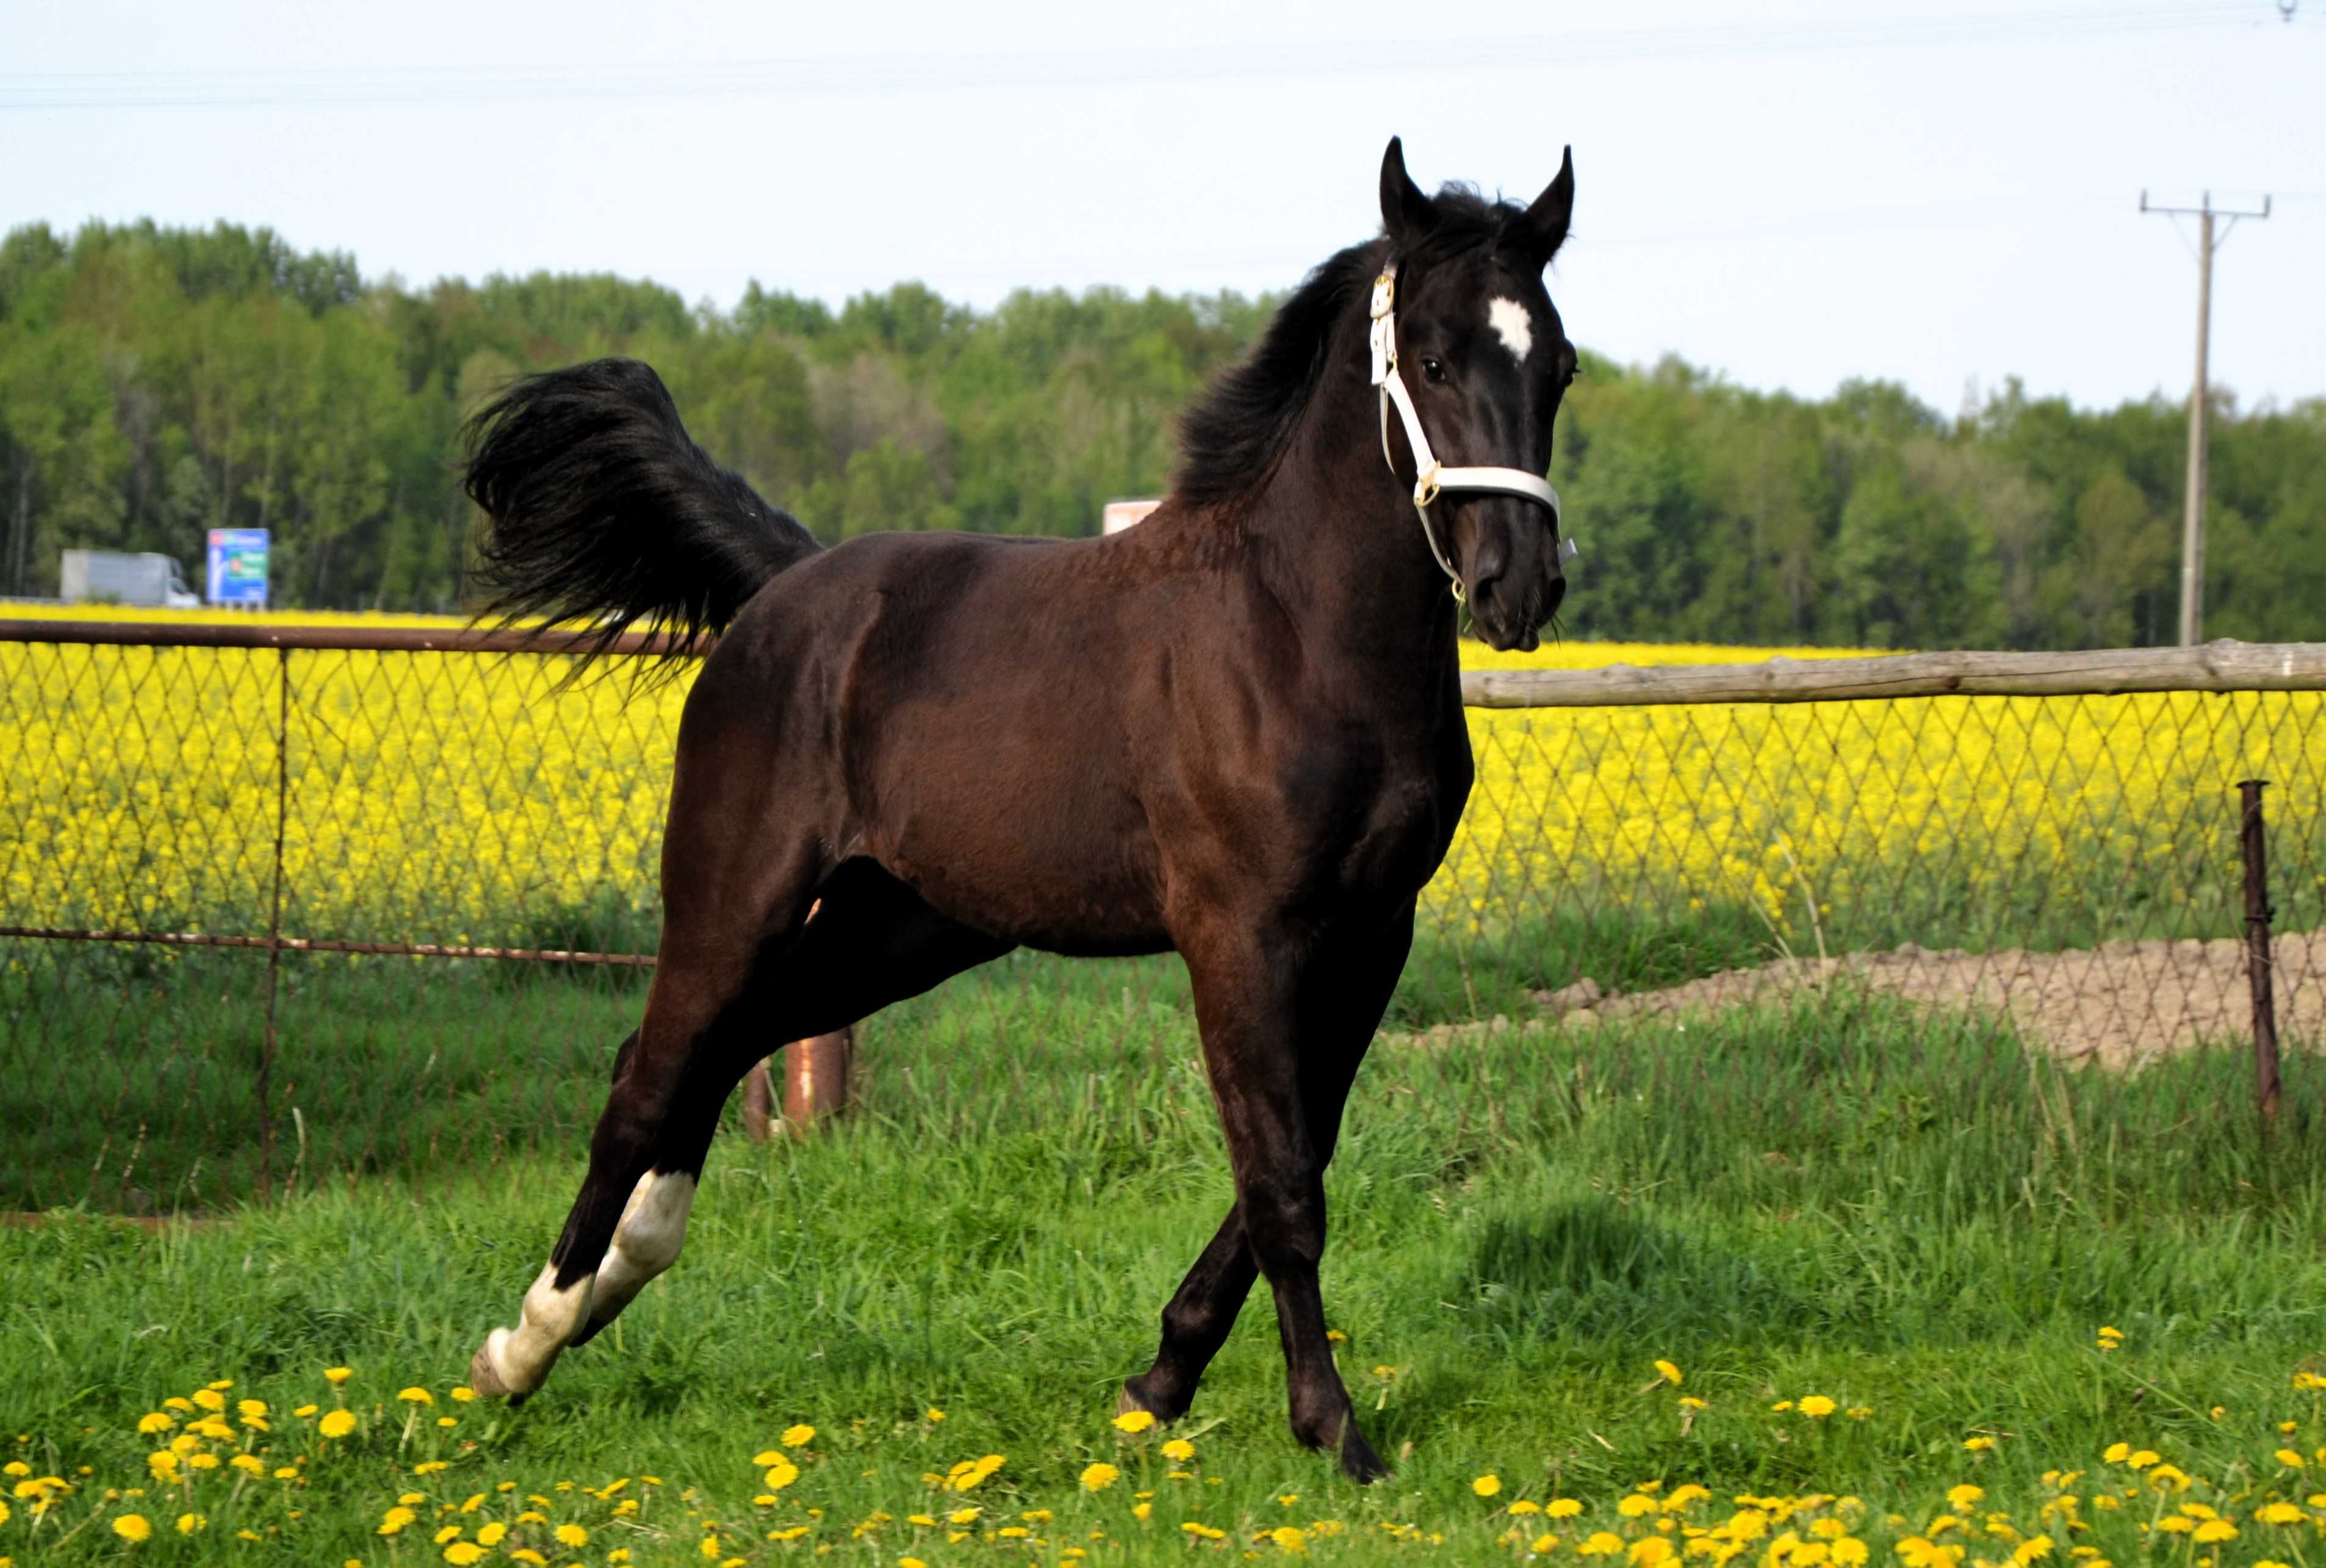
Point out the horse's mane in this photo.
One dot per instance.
(1233, 433)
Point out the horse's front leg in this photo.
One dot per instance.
(1248, 988)
(1346, 988)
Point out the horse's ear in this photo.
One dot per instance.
(1406, 213)
(1543, 230)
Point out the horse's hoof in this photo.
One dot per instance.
(485, 1375)
(1359, 1462)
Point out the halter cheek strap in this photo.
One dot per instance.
(1431, 477)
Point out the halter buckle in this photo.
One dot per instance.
(1384, 293)
(1425, 487)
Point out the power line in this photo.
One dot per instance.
(2192, 510)
(879, 75)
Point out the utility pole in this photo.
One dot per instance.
(2192, 515)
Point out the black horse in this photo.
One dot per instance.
(1234, 731)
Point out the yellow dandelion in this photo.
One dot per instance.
(159, 1421)
(338, 1374)
(1179, 1450)
(133, 1528)
(1816, 1405)
(1134, 1421)
(1486, 1486)
(798, 1437)
(1668, 1373)
(1097, 1478)
(570, 1536)
(337, 1423)
(416, 1396)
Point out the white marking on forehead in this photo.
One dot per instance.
(1509, 319)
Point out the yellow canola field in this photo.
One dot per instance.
(458, 798)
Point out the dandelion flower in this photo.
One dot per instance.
(1179, 1450)
(1562, 1508)
(571, 1536)
(189, 1522)
(338, 1375)
(337, 1423)
(133, 1528)
(1978, 1445)
(1097, 1478)
(1289, 1539)
(1668, 1373)
(159, 1421)
(461, 1554)
(1816, 1405)
(1486, 1486)
(2288, 1458)
(2117, 1452)
(416, 1396)
(1134, 1421)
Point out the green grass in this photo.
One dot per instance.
(1847, 1200)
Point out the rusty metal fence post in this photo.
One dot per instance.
(2253, 841)
(818, 1074)
(274, 925)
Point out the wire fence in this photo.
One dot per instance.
(286, 905)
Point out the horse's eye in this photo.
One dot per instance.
(1435, 369)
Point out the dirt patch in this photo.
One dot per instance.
(2120, 1003)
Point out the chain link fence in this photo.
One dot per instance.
(283, 906)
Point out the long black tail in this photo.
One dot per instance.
(606, 514)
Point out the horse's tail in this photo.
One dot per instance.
(604, 513)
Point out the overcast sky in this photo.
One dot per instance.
(1929, 191)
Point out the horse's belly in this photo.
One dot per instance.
(1043, 871)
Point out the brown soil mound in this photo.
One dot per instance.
(2119, 1004)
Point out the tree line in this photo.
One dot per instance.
(157, 383)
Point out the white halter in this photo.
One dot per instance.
(1432, 478)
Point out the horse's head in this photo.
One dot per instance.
(1485, 360)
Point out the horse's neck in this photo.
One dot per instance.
(1339, 545)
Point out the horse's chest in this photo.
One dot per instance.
(1376, 820)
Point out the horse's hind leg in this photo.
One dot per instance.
(872, 943)
(670, 1077)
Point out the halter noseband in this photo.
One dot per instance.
(1430, 476)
